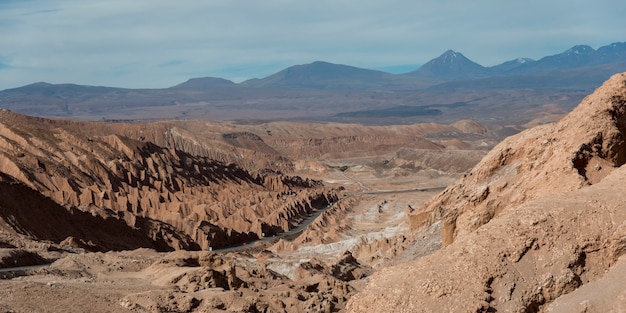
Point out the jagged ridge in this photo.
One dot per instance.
(176, 199)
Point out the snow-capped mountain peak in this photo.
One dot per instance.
(580, 49)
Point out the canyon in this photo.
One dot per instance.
(190, 215)
(197, 215)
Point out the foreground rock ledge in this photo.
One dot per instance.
(540, 219)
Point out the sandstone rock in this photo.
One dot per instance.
(535, 226)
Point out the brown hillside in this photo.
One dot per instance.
(580, 150)
(198, 138)
(300, 140)
(523, 260)
(536, 225)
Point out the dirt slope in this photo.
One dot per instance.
(539, 219)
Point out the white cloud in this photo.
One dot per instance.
(160, 43)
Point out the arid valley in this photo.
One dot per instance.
(470, 205)
(123, 189)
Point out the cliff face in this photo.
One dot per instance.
(170, 198)
(538, 224)
(580, 150)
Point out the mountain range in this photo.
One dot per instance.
(326, 91)
(455, 66)
(449, 66)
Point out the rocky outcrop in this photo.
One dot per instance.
(167, 198)
(207, 282)
(28, 212)
(578, 151)
(528, 257)
(536, 224)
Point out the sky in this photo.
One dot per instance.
(161, 43)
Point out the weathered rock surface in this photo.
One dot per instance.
(206, 282)
(578, 151)
(537, 226)
(525, 258)
(113, 192)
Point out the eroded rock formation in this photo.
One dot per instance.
(580, 150)
(163, 198)
(211, 282)
(534, 227)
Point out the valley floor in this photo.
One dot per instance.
(363, 231)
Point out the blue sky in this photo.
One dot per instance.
(159, 43)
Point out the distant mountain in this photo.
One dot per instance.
(579, 56)
(447, 87)
(204, 83)
(614, 52)
(44, 99)
(454, 66)
(451, 65)
(324, 75)
(59, 90)
(511, 65)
